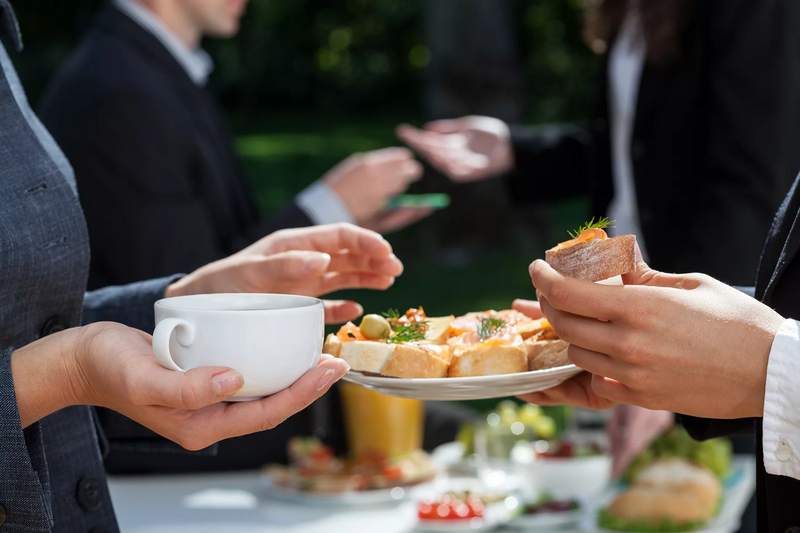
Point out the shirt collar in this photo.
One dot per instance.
(196, 62)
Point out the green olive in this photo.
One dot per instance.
(375, 327)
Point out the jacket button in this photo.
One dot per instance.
(2, 515)
(52, 325)
(89, 496)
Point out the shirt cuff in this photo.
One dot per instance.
(323, 205)
(781, 423)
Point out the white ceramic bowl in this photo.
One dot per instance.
(566, 477)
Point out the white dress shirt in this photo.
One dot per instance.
(781, 422)
(318, 201)
(625, 63)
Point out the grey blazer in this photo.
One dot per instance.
(51, 473)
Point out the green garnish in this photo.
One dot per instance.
(391, 316)
(602, 223)
(408, 332)
(489, 326)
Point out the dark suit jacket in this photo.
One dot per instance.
(162, 187)
(779, 287)
(714, 145)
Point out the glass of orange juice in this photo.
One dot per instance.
(378, 423)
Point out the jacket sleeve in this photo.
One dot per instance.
(131, 304)
(552, 162)
(706, 428)
(24, 478)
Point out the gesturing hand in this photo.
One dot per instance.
(365, 182)
(465, 149)
(114, 367)
(308, 261)
(684, 343)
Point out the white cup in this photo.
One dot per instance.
(271, 339)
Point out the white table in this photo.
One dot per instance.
(238, 503)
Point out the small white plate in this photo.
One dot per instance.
(547, 520)
(471, 388)
(349, 498)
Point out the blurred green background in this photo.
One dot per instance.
(308, 82)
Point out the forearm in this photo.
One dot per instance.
(44, 376)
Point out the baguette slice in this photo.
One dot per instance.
(489, 359)
(547, 353)
(595, 259)
(393, 360)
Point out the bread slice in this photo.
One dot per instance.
(595, 259)
(332, 346)
(488, 359)
(547, 353)
(393, 360)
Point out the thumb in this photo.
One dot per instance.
(194, 389)
(293, 265)
(445, 126)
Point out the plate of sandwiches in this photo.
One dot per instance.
(487, 354)
(315, 475)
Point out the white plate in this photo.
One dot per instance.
(547, 520)
(471, 388)
(350, 498)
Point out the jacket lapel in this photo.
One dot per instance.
(783, 244)
(9, 27)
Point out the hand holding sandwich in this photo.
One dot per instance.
(685, 343)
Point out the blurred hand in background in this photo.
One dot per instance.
(365, 183)
(631, 430)
(465, 149)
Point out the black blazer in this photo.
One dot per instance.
(161, 185)
(779, 287)
(714, 146)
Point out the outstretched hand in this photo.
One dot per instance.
(465, 149)
(307, 261)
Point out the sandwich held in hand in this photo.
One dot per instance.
(414, 345)
(591, 255)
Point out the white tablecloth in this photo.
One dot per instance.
(239, 503)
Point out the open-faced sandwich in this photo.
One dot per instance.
(314, 468)
(413, 345)
(592, 255)
(668, 495)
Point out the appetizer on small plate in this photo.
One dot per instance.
(465, 511)
(669, 495)
(314, 473)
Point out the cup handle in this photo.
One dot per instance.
(184, 332)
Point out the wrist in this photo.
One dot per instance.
(46, 376)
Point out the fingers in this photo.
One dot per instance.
(598, 363)
(528, 308)
(192, 390)
(293, 265)
(586, 332)
(576, 391)
(397, 219)
(644, 275)
(340, 311)
(332, 239)
(445, 126)
(578, 296)
(249, 417)
(350, 262)
(336, 281)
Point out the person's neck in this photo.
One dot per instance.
(176, 19)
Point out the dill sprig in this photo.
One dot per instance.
(489, 326)
(408, 332)
(602, 223)
(392, 316)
